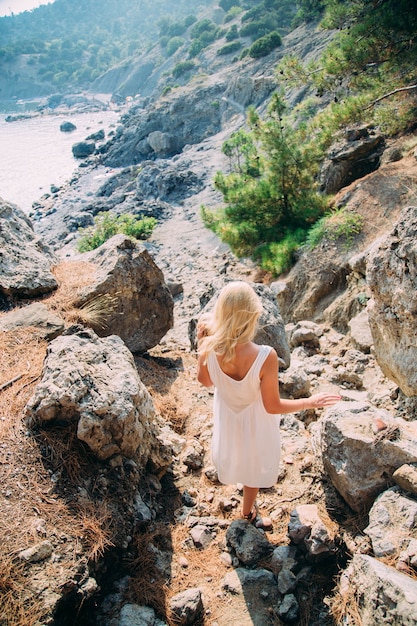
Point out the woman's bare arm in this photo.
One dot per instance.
(203, 375)
(272, 401)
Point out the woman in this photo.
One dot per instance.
(247, 404)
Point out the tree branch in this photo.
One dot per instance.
(387, 95)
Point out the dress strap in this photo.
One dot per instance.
(260, 360)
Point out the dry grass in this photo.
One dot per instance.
(95, 522)
(30, 511)
(72, 276)
(147, 585)
(345, 608)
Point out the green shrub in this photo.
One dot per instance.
(226, 5)
(263, 46)
(278, 257)
(190, 19)
(106, 225)
(229, 48)
(196, 47)
(341, 225)
(257, 29)
(203, 26)
(173, 44)
(232, 14)
(182, 67)
(232, 33)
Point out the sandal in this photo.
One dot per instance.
(251, 517)
(254, 518)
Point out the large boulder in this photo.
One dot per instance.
(375, 593)
(83, 149)
(25, 260)
(360, 448)
(93, 382)
(141, 305)
(392, 278)
(313, 283)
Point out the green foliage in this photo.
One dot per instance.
(226, 5)
(278, 257)
(72, 42)
(341, 225)
(241, 151)
(232, 14)
(182, 67)
(308, 11)
(106, 225)
(205, 26)
(233, 46)
(173, 44)
(232, 33)
(263, 46)
(269, 193)
(256, 29)
(371, 57)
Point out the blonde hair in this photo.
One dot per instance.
(233, 320)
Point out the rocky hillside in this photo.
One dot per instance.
(110, 508)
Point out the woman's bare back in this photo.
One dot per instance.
(239, 366)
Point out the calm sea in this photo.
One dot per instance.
(35, 153)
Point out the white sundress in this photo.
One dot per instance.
(246, 439)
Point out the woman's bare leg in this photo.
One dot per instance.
(249, 497)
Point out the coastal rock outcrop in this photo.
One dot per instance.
(137, 304)
(392, 279)
(25, 260)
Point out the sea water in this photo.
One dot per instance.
(35, 153)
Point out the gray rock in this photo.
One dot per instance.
(242, 579)
(358, 156)
(135, 615)
(193, 455)
(249, 543)
(94, 383)
(392, 520)
(141, 310)
(306, 527)
(36, 314)
(83, 149)
(287, 581)
(294, 382)
(201, 536)
(381, 594)
(25, 260)
(283, 557)
(392, 279)
(67, 127)
(186, 607)
(289, 609)
(360, 332)
(357, 460)
(37, 553)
